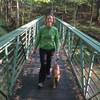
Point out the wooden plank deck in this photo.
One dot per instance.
(26, 85)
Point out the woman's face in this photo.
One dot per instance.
(49, 20)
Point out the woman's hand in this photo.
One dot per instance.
(31, 55)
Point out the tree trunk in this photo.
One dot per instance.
(98, 8)
(65, 9)
(1, 8)
(75, 14)
(17, 12)
(6, 10)
(92, 8)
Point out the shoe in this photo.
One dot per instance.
(40, 85)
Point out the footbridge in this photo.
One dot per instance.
(79, 61)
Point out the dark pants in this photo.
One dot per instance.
(45, 60)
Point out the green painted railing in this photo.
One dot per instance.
(84, 54)
(14, 50)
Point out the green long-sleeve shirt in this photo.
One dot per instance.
(47, 38)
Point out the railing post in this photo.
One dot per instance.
(33, 33)
(69, 42)
(8, 73)
(89, 74)
(26, 38)
(37, 27)
(82, 65)
(14, 64)
(29, 37)
(26, 41)
(63, 34)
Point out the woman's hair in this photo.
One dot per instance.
(50, 15)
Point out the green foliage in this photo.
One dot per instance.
(45, 1)
(79, 2)
(36, 1)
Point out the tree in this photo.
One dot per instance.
(98, 8)
(76, 3)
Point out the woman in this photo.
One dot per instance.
(47, 40)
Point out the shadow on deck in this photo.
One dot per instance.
(26, 85)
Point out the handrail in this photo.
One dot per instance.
(94, 43)
(14, 50)
(84, 54)
(8, 37)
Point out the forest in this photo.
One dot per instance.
(83, 14)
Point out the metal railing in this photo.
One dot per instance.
(84, 54)
(14, 49)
